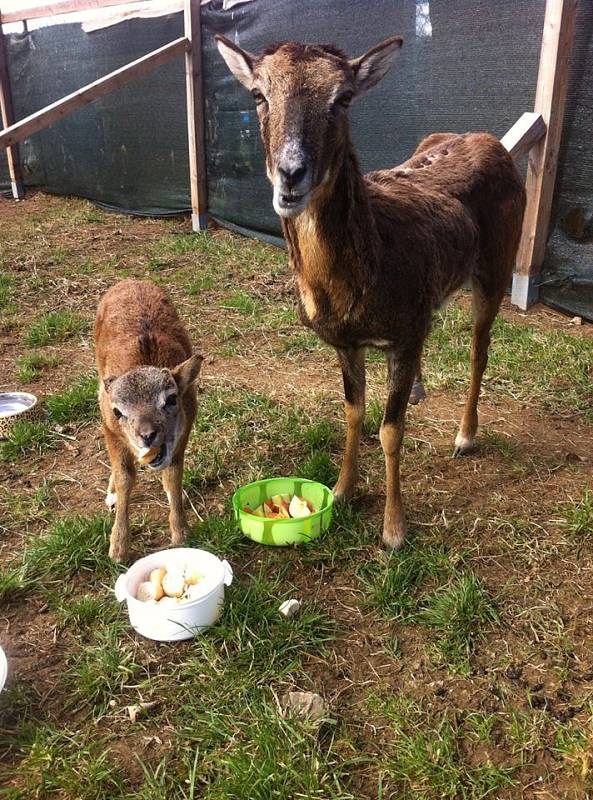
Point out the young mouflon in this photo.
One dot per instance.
(147, 397)
(375, 254)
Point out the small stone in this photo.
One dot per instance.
(290, 607)
(139, 709)
(577, 320)
(306, 705)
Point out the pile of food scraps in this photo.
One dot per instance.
(177, 583)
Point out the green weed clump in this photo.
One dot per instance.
(26, 438)
(77, 404)
(31, 366)
(53, 328)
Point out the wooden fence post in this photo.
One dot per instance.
(6, 108)
(552, 83)
(195, 117)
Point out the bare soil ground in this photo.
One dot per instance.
(461, 667)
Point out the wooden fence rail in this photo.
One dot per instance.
(64, 7)
(82, 97)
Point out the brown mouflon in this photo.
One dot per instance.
(375, 254)
(147, 397)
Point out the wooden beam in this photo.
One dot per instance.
(7, 116)
(525, 133)
(550, 98)
(195, 117)
(65, 7)
(82, 97)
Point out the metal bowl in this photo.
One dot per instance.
(15, 406)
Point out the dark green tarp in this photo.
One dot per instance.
(466, 65)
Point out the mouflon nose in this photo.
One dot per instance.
(147, 435)
(292, 174)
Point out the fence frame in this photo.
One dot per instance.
(190, 44)
(538, 133)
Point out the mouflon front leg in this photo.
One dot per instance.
(353, 373)
(111, 497)
(123, 473)
(173, 486)
(400, 380)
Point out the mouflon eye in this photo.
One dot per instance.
(342, 101)
(258, 97)
(171, 401)
(118, 414)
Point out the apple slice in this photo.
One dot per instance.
(284, 509)
(148, 454)
(298, 508)
(270, 508)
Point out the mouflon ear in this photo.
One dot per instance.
(375, 63)
(239, 61)
(186, 373)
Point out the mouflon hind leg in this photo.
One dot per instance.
(418, 393)
(353, 373)
(485, 308)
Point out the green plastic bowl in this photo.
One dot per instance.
(284, 531)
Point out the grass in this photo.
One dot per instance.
(25, 439)
(429, 694)
(525, 362)
(426, 584)
(67, 763)
(241, 301)
(53, 328)
(12, 583)
(103, 671)
(69, 546)
(457, 612)
(31, 366)
(393, 581)
(76, 404)
(426, 758)
(576, 516)
(6, 290)
(84, 612)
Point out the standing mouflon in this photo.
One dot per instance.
(147, 397)
(375, 254)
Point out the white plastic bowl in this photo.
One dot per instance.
(3, 669)
(172, 623)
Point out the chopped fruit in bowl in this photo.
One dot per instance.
(283, 511)
(282, 506)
